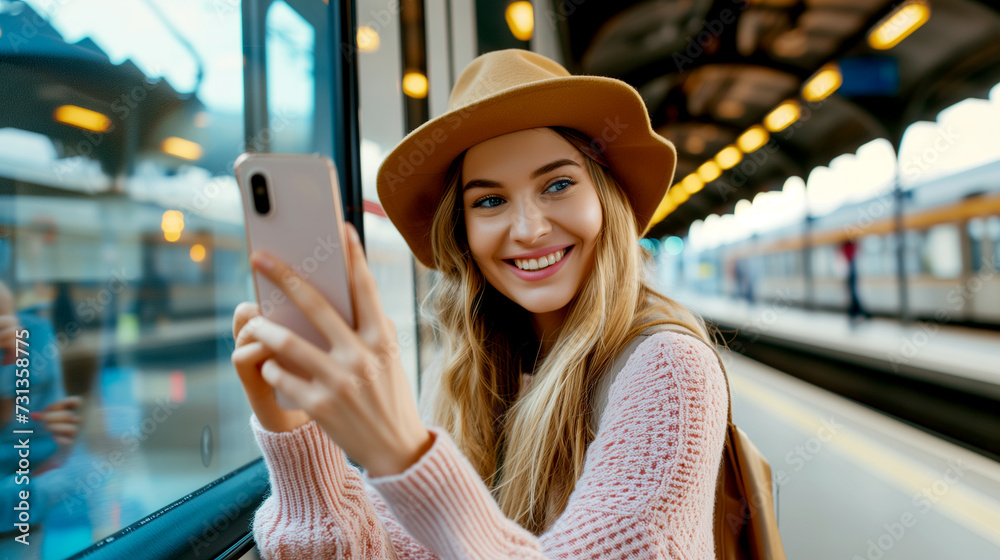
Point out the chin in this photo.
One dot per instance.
(540, 304)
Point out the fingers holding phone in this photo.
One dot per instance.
(248, 357)
(292, 210)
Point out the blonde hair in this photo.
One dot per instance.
(530, 451)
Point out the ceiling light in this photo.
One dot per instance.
(197, 252)
(521, 20)
(179, 147)
(783, 116)
(823, 83)
(899, 24)
(709, 171)
(172, 223)
(753, 139)
(692, 183)
(729, 157)
(82, 118)
(662, 211)
(415, 85)
(678, 196)
(368, 40)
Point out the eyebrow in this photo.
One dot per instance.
(548, 167)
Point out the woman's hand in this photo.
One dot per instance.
(357, 392)
(248, 357)
(62, 418)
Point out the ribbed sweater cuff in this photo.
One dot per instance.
(308, 471)
(444, 504)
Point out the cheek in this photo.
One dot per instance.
(481, 242)
(589, 218)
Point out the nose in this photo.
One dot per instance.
(529, 223)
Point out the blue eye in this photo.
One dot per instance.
(566, 182)
(480, 202)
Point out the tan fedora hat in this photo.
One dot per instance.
(510, 90)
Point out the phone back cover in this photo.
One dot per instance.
(302, 229)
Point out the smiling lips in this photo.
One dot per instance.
(540, 262)
(539, 268)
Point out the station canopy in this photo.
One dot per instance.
(811, 79)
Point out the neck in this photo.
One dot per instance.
(546, 325)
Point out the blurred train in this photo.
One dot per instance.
(951, 246)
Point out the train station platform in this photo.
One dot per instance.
(959, 357)
(853, 483)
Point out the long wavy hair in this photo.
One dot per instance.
(530, 450)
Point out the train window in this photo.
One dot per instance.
(290, 41)
(977, 233)
(942, 251)
(993, 233)
(123, 256)
(797, 268)
(382, 124)
(822, 261)
(875, 257)
(913, 256)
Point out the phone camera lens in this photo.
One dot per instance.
(261, 200)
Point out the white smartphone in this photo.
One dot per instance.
(291, 209)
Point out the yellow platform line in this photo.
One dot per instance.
(966, 506)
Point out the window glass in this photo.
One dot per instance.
(876, 256)
(993, 232)
(291, 87)
(942, 251)
(977, 232)
(122, 256)
(913, 261)
(819, 265)
(382, 126)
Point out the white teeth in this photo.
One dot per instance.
(542, 262)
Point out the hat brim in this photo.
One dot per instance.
(411, 179)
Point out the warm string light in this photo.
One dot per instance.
(521, 19)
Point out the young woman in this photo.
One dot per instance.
(566, 420)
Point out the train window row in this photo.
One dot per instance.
(984, 242)
(936, 252)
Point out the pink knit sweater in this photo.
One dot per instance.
(647, 488)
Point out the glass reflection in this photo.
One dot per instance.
(122, 255)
